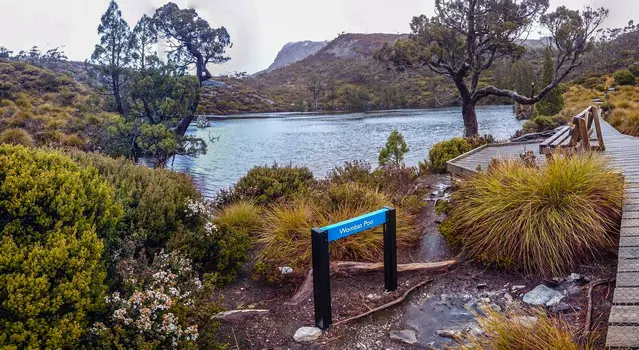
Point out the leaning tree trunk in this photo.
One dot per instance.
(470, 118)
(183, 124)
(115, 80)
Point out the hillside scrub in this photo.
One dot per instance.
(521, 329)
(50, 109)
(284, 239)
(54, 216)
(540, 220)
(624, 77)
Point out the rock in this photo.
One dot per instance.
(574, 277)
(285, 270)
(565, 308)
(508, 297)
(517, 287)
(495, 307)
(527, 321)
(307, 334)
(543, 295)
(407, 336)
(373, 297)
(571, 288)
(449, 333)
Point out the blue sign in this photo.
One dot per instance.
(355, 225)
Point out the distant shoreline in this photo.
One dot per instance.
(278, 115)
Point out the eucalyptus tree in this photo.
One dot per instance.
(465, 37)
(112, 55)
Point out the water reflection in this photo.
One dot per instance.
(323, 141)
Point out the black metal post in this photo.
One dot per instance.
(390, 251)
(321, 279)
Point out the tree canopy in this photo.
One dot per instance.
(191, 40)
(112, 54)
(465, 37)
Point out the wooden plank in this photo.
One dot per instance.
(622, 337)
(551, 140)
(583, 133)
(602, 145)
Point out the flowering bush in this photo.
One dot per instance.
(220, 248)
(153, 316)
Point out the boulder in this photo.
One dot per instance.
(407, 336)
(543, 295)
(307, 334)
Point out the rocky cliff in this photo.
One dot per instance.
(296, 51)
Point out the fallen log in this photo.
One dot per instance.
(351, 267)
(239, 314)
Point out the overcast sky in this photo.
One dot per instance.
(258, 28)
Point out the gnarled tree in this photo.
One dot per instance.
(465, 37)
(192, 43)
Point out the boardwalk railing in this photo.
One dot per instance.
(584, 133)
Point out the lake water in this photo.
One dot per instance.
(321, 141)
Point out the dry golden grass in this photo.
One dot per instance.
(242, 215)
(519, 329)
(538, 220)
(286, 241)
(577, 98)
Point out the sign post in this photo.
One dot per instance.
(320, 237)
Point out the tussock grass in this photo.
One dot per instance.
(285, 239)
(540, 220)
(519, 329)
(16, 136)
(241, 215)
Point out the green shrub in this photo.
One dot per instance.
(394, 150)
(543, 123)
(521, 329)
(540, 220)
(591, 83)
(223, 247)
(624, 77)
(356, 171)
(285, 239)
(51, 272)
(444, 151)
(155, 202)
(16, 136)
(267, 184)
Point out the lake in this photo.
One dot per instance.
(323, 141)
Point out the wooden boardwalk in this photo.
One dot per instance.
(623, 152)
(623, 323)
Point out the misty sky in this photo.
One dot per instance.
(258, 28)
